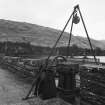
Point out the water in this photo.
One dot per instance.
(102, 58)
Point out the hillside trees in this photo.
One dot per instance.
(26, 49)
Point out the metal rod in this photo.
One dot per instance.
(68, 47)
(86, 32)
(33, 83)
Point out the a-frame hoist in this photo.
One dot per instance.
(44, 78)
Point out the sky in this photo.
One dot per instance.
(55, 13)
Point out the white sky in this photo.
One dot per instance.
(54, 13)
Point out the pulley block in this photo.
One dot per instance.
(76, 18)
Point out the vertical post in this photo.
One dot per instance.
(86, 32)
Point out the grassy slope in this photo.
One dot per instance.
(39, 35)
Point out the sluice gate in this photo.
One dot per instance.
(67, 81)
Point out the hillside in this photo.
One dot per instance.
(39, 35)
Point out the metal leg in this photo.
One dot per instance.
(68, 47)
(86, 33)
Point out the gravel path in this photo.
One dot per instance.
(13, 89)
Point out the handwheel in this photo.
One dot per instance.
(59, 59)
